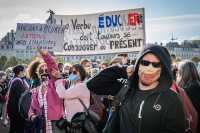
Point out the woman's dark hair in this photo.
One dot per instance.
(187, 72)
(81, 70)
(17, 69)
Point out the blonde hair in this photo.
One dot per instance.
(67, 65)
(116, 60)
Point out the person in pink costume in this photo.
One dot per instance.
(52, 104)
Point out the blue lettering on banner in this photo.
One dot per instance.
(101, 22)
(109, 21)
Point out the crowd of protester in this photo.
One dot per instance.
(154, 94)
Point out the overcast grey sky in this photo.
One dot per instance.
(182, 17)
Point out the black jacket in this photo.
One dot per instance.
(16, 89)
(160, 112)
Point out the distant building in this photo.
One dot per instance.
(101, 57)
(6, 44)
(25, 54)
(187, 50)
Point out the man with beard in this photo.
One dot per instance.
(149, 106)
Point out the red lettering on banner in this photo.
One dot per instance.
(134, 19)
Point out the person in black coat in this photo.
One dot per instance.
(150, 106)
(189, 79)
(17, 87)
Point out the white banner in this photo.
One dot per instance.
(32, 36)
(109, 32)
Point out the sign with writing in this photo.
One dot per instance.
(43, 36)
(101, 33)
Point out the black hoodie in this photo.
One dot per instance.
(161, 111)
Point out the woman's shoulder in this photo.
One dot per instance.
(192, 85)
(81, 87)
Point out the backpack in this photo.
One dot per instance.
(25, 103)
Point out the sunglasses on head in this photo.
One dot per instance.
(147, 63)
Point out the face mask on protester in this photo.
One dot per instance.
(148, 69)
(73, 77)
(44, 77)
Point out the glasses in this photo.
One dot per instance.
(147, 63)
(43, 71)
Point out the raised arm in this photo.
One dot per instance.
(49, 60)
(70, 93)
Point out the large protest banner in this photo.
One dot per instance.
(32, 36)
(101, 33)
